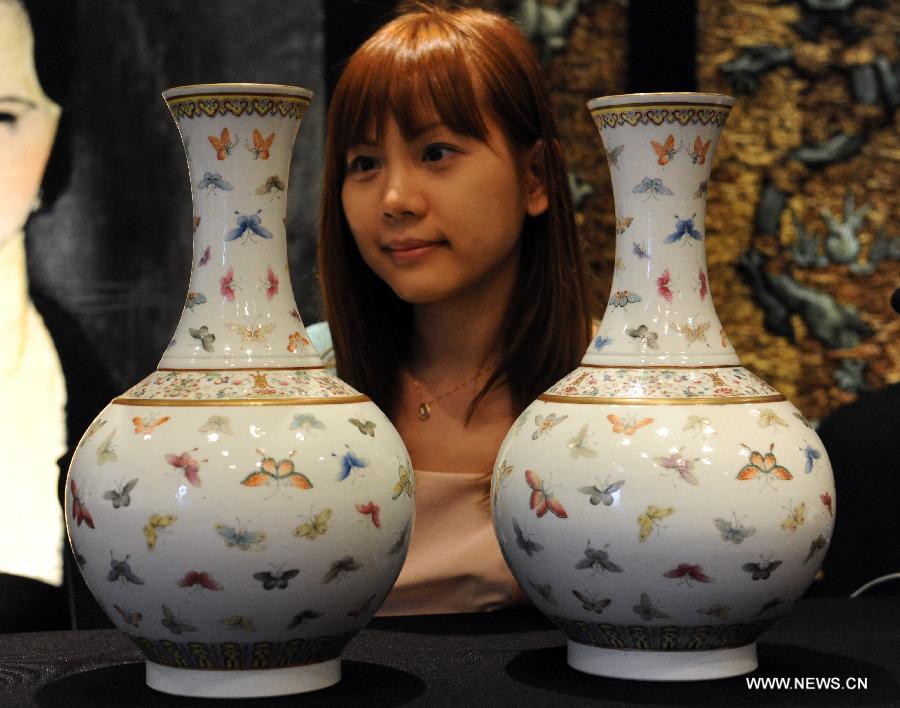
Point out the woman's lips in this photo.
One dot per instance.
(410, 250)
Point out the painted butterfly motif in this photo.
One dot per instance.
(401, 540)
(651, 186)
(121, 570)
(92, 428)
(212, 181)
(261, 145)
(217, 424)
(205, 337)
(629, 426)
(763, 466)
(662, 285)
(350, 462)
(105, 451)
(649, 520)
(193, 299)
(223, 144)
(761, 570)
(700, 425)
(701, 190)
(597, 559)
(371, 509)
(273, 184)
(812, 454)
(817, 544)
(302, 617)
(589, 604)
(340, 568)
(768, 417)
(277, 579)
(698, 154)
(148, 425)
(269, 470)
(524, 542)
(688, 572)
(252, 334)
(605, 495)
(545, 591)
(704, 287)
(204, 257)
(645, 336)
(666, 151)
(132, 618)
(305, 421)
(683, 227)
(502, 472)
(803, 419)
(541, 498)
(641, 250)
(155, 523)
(366, 427)
(363, 607)
(296, 340)
(623, 298)
(827, 501)
(696, 333)
(546, 423)
(187, 464)
(272, 287)
(404, 484)
(239, 537)
(315, 527)
(227, 284)
(79, 510)
(602, 341)
(677, 462)
(733, 532)
(175, 624)
(717, 611)
(239, 622)
(576, 445)
(647, 611)
(613, 155)
(195, 223)
(248, 223)
(122, 496)
(796, 517)
(623, 224)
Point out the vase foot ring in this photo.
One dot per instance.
(243, 683)
(662, 665)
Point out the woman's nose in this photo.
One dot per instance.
(403, 196)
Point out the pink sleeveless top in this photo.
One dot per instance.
(454, 562)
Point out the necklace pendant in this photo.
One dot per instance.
(424, 411)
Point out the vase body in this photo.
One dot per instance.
(240, 513)
(662, 504)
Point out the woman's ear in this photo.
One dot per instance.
(536, 200)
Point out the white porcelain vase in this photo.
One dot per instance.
(240, 513)
(661, 504)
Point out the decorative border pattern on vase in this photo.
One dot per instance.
(624, 382)
(643, 114)
(240, 655)
(238, 104)
(662, 638)
(268, 384)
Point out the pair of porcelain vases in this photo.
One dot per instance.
(241, 513)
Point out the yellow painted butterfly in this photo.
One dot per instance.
(648, 520)
(796, 517)
(315, 527)
(404, 484)
(154, 523)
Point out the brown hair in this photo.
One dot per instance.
(449, 63)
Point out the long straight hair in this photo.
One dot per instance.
(453, 64)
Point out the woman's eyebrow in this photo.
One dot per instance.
(18, 99)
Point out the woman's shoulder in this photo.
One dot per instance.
(320, 335)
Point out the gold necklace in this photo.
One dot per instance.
(424, 408)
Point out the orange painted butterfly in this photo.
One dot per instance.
(666, 151)
(630, 426)
(765, 465)
(223, 144)
(261, 145)
(148, 425)
(541, 499)
(698, 155)
(79, 510)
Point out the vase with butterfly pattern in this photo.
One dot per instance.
(240, 513)
(662, 504)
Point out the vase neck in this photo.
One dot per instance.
(239, 310)
(660, 310)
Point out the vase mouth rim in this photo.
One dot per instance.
(664, 97)
(228, 89)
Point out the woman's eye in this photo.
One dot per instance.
(7, 118)
(436, 153)
(362, 163)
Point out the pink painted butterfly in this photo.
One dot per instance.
(676, 461)
(541, 499)
(662, 285)
(186, 464)
(826, 500)
(223, 144)
(704, 288)
(193, 577)
(204, 258)
(688, 572)
(272, 290)
(373, 509)
(226, 284)
(79, 510)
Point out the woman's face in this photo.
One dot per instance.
(27, 121)
(439, 216)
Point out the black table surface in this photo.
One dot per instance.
(511, 658)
